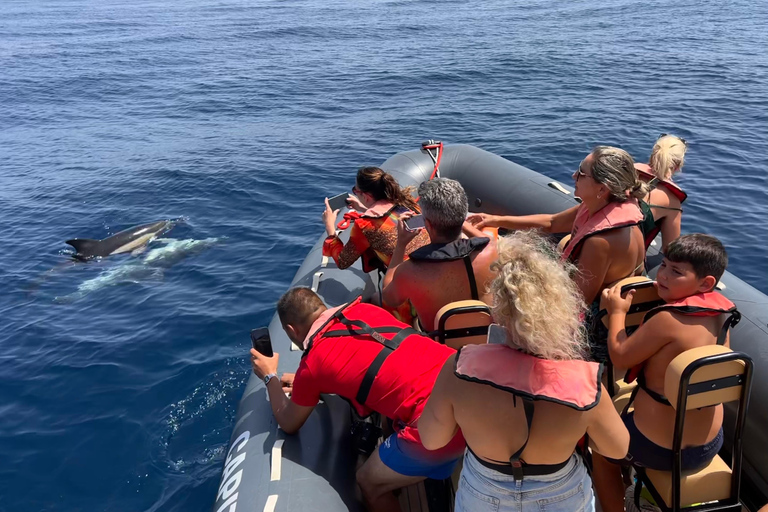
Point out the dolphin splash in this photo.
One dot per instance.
(150, 267)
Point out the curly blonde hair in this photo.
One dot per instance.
(535, 299)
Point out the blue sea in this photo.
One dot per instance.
(119, 379)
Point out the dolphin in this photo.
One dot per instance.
(128, 240)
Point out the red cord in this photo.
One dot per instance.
(439, 147)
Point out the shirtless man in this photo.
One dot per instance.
(438, 273)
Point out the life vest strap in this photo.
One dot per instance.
(471, 276)
(389, 346)
(517, 466)
(731, 321)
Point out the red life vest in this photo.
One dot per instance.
(701, 304)
(614, 215)
(646, 173)
(379, 326)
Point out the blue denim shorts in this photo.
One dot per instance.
(482, 489)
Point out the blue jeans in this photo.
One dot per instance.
(482, 489)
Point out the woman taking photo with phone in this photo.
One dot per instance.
(378, 201)
(378, 204)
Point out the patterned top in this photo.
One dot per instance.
(373, 238)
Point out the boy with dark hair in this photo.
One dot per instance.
(693, 315)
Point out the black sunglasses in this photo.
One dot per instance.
(685, 142)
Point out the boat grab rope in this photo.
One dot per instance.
(428, 146)
(437, 146)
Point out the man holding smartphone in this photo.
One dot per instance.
(449, 269)
(360, 352)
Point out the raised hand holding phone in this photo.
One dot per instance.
(414, 223)
(338, 202)
(261, 341)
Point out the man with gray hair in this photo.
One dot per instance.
(449, 269)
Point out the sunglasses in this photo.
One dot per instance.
(580, 174)
(685, 142)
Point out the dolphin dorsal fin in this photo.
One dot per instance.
(83, 246)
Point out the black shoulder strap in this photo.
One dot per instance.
(733, 319)
(331, 319)
(514, 460)
(389, 346)
(471, 276)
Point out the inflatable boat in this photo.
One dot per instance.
(267, 470)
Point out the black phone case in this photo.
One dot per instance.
(262, 344)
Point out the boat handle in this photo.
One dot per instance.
(557, 186)
(316, 280)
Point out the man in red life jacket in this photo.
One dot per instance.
(361, 353)
(449, 269)
(694, 315)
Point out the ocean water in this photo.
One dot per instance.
(119, 379)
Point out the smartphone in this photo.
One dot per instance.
(497, 335)
(414, 223)
(338, 202)
(261, 341)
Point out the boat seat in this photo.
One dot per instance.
(622, 395)
(711, 483)
(702, 377)
(646, 298)
(563, 241)
(462, 323)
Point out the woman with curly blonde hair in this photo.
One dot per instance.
(525, 399)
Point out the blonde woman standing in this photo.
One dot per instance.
(662, 205)
(524, 400)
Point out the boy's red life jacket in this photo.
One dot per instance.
(614, 215)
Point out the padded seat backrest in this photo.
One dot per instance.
(646, 298)
(563, 242)
(462, 323)
(710, 384)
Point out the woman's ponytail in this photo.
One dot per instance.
(399, 196)
(667, 156)
(639, 190)
(382, 185)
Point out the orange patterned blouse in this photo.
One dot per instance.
(373, 237)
